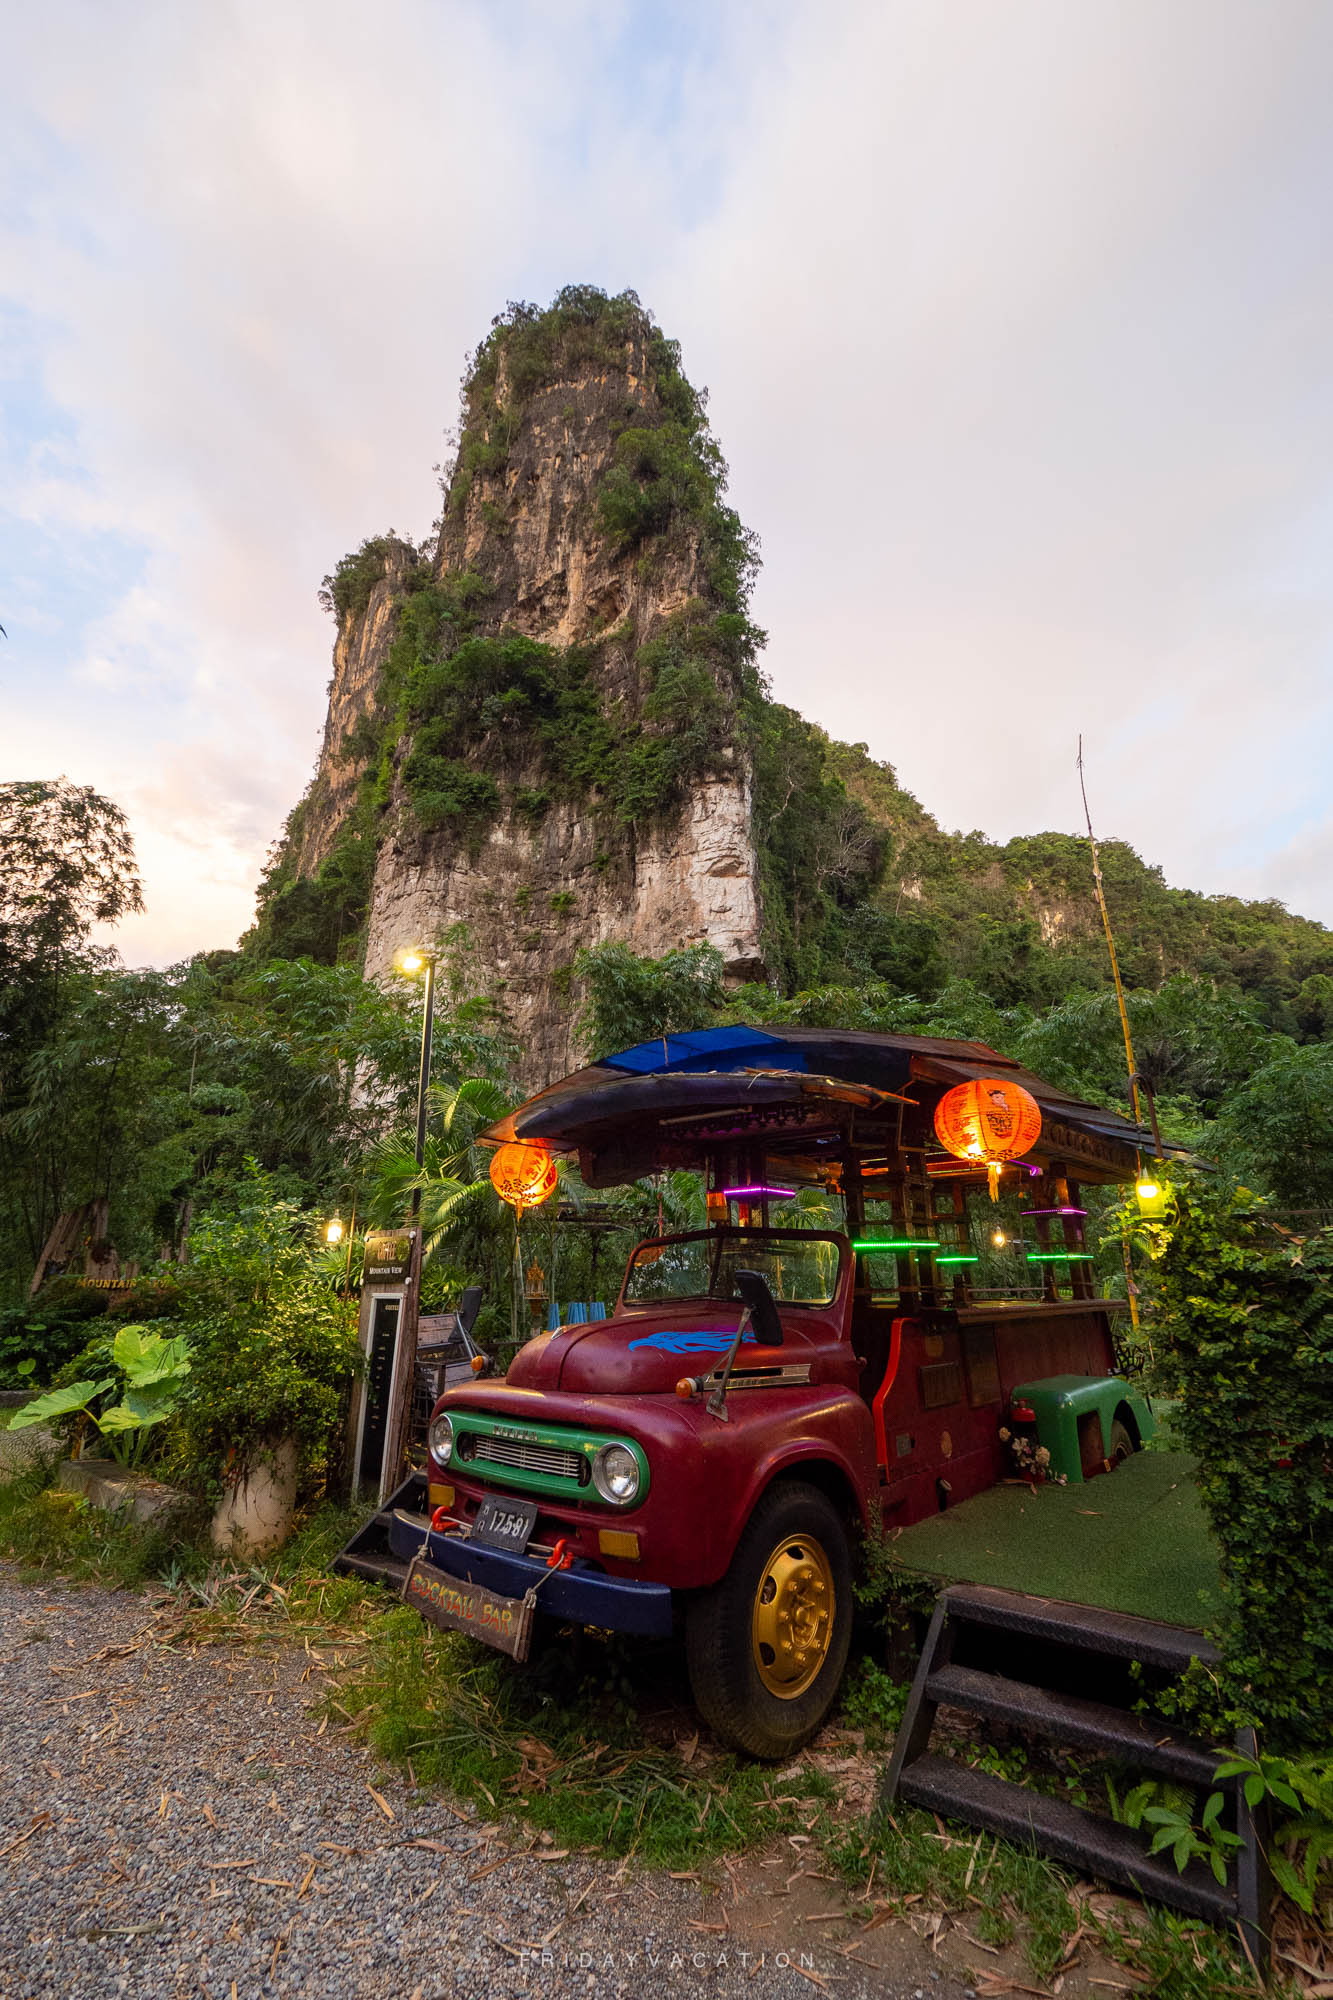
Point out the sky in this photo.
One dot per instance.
(1016, 320)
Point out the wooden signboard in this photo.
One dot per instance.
(502, 1622)
(388, 1259)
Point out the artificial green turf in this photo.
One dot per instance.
(1130, 1540)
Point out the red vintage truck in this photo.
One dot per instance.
(764, 1394)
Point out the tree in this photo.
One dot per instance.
(66, 863)
(1277, 1129)
(628, 999)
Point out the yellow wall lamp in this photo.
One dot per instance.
(1155, 1197)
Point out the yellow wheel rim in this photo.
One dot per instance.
(793, 1616)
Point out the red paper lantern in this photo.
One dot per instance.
(523, 1175)
(989, 1121)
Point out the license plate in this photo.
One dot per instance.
(505, 1524)
(502, 1622)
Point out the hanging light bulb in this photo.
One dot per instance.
(333, 1231)
(999, 1239)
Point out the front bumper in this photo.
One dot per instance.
(582, 1595)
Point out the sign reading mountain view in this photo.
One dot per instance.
(388, 1257)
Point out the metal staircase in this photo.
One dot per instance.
(1061, 1671)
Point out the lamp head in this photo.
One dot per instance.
(1147, 1190)
(333, 1231)
(999, 1239)
(411, 961)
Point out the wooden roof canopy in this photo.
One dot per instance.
(810, 1096)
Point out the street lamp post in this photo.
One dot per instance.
(400, 1405)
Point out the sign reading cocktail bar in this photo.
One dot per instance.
(502, 1622)
(388, 1257)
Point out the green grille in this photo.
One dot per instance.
(552, 1459)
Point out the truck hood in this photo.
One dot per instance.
(647, 1354)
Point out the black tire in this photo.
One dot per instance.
(1122, 1445)
(729, 1687)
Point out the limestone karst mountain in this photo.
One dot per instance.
(533, 729)
(547, 730)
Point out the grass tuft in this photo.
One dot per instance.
(564, 1745)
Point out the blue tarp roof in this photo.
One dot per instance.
(713, 1049)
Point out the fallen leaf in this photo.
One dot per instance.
(382, 1802)
(491, 1867)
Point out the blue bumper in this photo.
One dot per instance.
(582, 1595)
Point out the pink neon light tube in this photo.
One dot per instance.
(743, 1193)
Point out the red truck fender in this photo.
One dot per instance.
(842, 1466)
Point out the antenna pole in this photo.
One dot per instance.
(1110, 946)
(1130, 1286)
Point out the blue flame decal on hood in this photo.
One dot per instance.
(692, 1343)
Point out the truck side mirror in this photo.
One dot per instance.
(764, 1317)
(468, 1308)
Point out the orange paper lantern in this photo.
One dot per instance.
(523, 1175)
(988, 1121)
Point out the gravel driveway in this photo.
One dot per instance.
(174, 1823)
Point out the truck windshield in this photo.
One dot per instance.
(801, 1269)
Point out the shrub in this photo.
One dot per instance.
(446, 793)
(346, 593)
(45, 1332)
(263, 1370)
(1243, 1338)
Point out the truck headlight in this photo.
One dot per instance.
(615, 1474)
(442, 1439)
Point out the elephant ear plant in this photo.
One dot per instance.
(150, 1382)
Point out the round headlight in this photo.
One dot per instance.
(615, 1474)
(442, 1439)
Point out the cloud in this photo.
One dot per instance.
(1015, 321)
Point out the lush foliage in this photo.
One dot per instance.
(145, 1390)
(628, 999)
(38, 1336)
(346, 592)
(1243, 1341)
(151, 1088)
(1298, 1792)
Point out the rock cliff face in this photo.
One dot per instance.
(357, 711)
(527, 549)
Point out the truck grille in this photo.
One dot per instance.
(555, 1463)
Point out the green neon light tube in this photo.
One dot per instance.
(1059, 1256)
(917, 1243)
(958, 1260)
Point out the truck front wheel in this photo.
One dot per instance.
(767, 1645)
